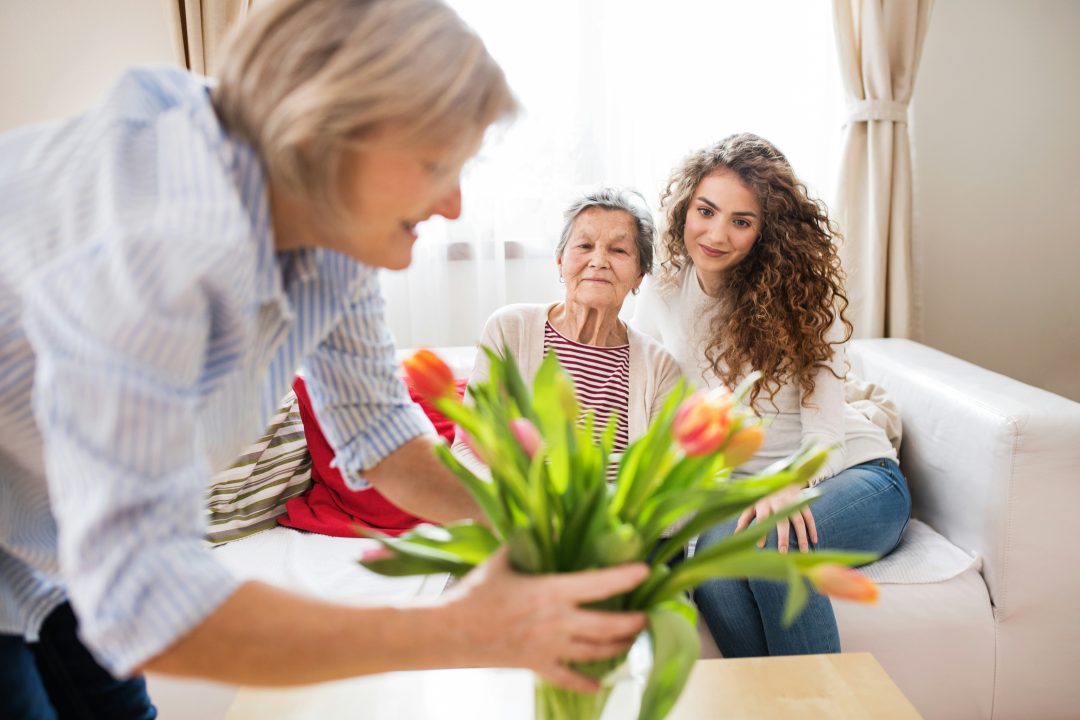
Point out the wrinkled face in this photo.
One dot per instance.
(393, 188)
(723, 222)
(600, 262)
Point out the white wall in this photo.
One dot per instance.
(57, 56)
(996, 126)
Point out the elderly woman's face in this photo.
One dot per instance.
(600, 261)
(393, 189)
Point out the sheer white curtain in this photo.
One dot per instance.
(615, 92)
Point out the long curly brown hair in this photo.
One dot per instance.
(787, 292)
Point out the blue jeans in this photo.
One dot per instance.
(57, 677)
(863, 508)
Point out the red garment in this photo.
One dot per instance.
(329, 507)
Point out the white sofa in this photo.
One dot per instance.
(994, 467)
(975, 618)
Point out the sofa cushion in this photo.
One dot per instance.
(936, 640)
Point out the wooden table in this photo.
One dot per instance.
(851, 685)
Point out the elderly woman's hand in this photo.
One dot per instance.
(500, 618)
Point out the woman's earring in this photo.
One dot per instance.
(561, 279)
(635, 291)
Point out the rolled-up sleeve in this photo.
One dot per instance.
(121, 331)
(355, 386)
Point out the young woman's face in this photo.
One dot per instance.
(393, 189)
(723, 222)
(600, 262)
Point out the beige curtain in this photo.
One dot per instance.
(879, 42)
(199, 28)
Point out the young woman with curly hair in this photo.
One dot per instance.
(750, 280)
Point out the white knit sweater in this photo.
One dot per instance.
(680, 318)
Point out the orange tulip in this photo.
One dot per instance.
(843, 582)
(431, 377)
(527, 435)
(743, 444)
(702, 421)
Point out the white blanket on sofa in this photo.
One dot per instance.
(923, 556)
(321, 566)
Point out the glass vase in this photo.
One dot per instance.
(622, 682)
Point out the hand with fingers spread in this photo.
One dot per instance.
(802, 520)
(505, 619)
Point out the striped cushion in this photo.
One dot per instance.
(249, 495)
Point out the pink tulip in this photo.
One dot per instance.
(843, 582)
(459, 432)
(702, 421)
(527, 436)
(373, 554)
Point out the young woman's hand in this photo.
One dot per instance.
(802, 521)
(506, 619)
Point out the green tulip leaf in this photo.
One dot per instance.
(471, 542)
(405, 565)
(482, 491)
(726, 502)
(672, 631)
(619, 545)
(747, 563)
(525, 553)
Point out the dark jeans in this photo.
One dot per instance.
(57, 678)
(865, 508)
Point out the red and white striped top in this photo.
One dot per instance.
(601, 377)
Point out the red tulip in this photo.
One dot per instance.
(743, 444)
(431, 377)
(527, 435)
(843, 582)
(702, 421)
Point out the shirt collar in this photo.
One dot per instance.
(270, 265)
(274, 271)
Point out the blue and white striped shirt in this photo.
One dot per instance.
(148, 329)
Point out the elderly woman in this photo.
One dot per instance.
(169, 259)
(604, 252)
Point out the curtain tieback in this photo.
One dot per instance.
(865, 110)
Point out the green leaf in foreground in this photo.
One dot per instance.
(672, 630)
(429, 549)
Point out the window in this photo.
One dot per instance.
(614, 93)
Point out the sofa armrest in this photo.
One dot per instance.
(993, 464)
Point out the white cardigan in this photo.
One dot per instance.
(680, 318)
(653, 371)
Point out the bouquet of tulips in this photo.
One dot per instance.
(549, 498)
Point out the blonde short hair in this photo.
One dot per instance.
(307, 81)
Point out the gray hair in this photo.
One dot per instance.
(628, 201)
(306, 82)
